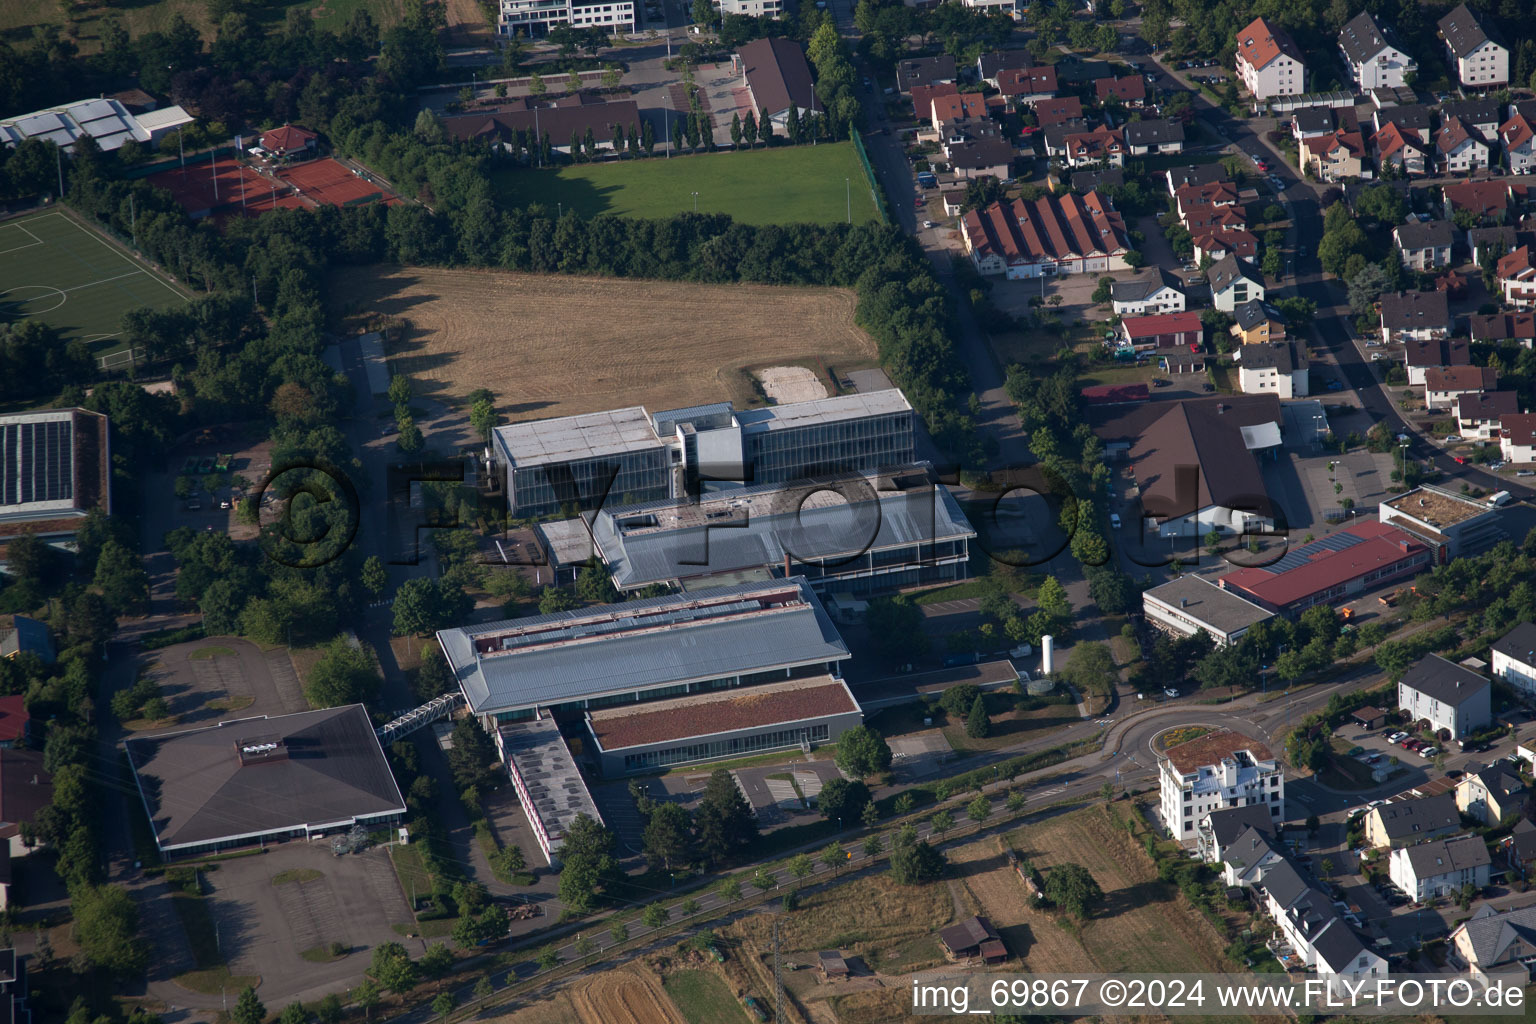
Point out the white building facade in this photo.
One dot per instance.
(1223, 769)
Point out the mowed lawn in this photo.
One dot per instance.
(785, 185)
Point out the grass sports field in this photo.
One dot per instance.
(552, 345)
(787, 185)
(53, 268)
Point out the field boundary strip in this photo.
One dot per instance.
(17, 248)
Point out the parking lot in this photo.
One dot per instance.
(267, 919)
(209, 681)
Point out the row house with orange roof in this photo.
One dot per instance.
(1269, 62)
(1046, 237)
(1519, 141)
(1516, 276)
(1400, 149)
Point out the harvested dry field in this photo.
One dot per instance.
(556, 346)
(622, 997)
(1142, 925)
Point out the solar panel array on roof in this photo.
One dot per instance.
(1303, 555)
(624, 624)
(35, 462)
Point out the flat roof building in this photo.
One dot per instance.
(1189, 604)
(1332, 569)
(547, 781)
(624, 456)
(722, 724)
(856, 534)
(644, 650)
(1452, 525)
(258, 779)
(55, 466)
(1213, 772)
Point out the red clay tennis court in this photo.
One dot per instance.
(329, 182)
(225, 189)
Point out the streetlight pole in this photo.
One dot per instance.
(848, 199)
(695, 202)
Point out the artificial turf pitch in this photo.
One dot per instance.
(54, 268)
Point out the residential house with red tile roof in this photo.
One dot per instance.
(1337, 156)
(1518, 136)
(1028, 85)
(1517, 278)
(1045, 237)
(956, 106)
(923, 96)
(1219, 243)
(1460, 148)
(1517, 437)
(1490, 199)
(1188, 198)
(1443, 385)
(1269, 62)
(1404, 151)
(1130, 90)
(1100, 146)
(1434, 349)
(1163, 330)
(1058, 110)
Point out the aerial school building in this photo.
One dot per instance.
(625, 456)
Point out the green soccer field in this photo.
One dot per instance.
(787, 185)
(55, 269)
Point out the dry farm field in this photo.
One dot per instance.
(629, 995)
(556, 345)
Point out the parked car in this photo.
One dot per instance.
(930, 223)
(1397, 737)
(1452, 438)
(1021, 651)
(1525, 472)
(1458, 460)
(1375, 356)
(1114, 520)
(1429, 752)
(1169, 691)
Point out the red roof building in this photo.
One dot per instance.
(1068, 234)
(923, 96)
(1164, 330)
(1331, 570)
(1058, 110)
(289, 142)
(1489, 199)
(1115, 394)
(1516, 275)
(957, 106)
(13, 720)
(1027, 85)
(1102, 145)
(1517, 437)
(1130, 90)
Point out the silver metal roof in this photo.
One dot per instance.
(824, 410)
(618, 648)
(589, 435)
(106, 120)
(667, 540)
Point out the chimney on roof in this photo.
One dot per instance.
(1183, 602)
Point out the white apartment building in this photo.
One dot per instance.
(752, 8)
(1212, 772)
(1275, 368)
(1269, 62)
(1374, 58)
(1514, 658)
(1447, 695)
(534, 18)
(1481, 60)
(1440, 867)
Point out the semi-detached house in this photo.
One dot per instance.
(1440, 867)
(1446, 695)
(1425, 245)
